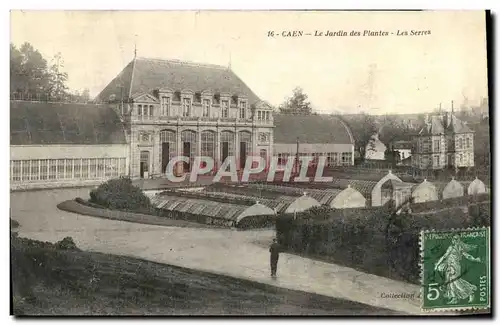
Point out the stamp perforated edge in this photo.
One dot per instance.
(421, 264)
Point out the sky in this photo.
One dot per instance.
(346, 74)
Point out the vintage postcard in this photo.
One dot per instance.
(250, 163)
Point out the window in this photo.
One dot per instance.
(460, 143)
(68, 172)
(165, 106)
(52, 168)
(85, 168)
(43, 169)
(243, 110)
(25, 170)
(468, 143)
(436, 161)
(346, 158)
(206, 107)
(139, 110)
(92, 168)
(225, 108)
(186, 107)
(436, 145)
(77, 168)
(460, 159)
(100, 167)
(60, 168)
(259, 115)
(16, 170)
(108, 168)
(35, 170)
(208, 144)
(151, 109)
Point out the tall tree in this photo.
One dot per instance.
(297, 104)
(34, 69)
(57, 88)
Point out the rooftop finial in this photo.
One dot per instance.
(135, 46)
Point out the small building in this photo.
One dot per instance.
(301, 204)
(424, 192)
(475, 187)
(403, 150)
(375, 149)
(348, 198)
(453, 189)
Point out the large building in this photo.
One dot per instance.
(443, 142)
(171, 108)
(155, 110)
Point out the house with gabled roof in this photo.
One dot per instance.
(445, 141)
(177, 108)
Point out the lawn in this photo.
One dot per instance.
(47, 280)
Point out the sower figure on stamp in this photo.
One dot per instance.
(275, 250)
(455, 287)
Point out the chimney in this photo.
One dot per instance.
(451, 107)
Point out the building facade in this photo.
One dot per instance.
(444, 142)
(175, 108)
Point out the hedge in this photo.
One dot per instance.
(377, 240)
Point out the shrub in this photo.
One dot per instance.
(66, 243)
(120, 194)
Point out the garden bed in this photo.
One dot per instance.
(94, 211)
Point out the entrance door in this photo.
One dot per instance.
(165, 150)
(144, 164)
(225, 151)
(243, 154)
(186, 151)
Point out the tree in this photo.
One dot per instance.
(32, 78)
(363, 127)
(297, 104)
(57, 88)
(28, 71)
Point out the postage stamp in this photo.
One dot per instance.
(455, 269)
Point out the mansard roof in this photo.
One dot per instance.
(42, 123)
(144, 75)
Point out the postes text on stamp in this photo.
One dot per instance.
(455, 269)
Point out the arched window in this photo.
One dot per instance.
(226, 145)
(168, 147)
(208, 144)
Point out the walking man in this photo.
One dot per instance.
(275, 254)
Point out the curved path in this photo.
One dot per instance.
(228, 252)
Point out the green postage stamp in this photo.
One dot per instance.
(455, 269)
